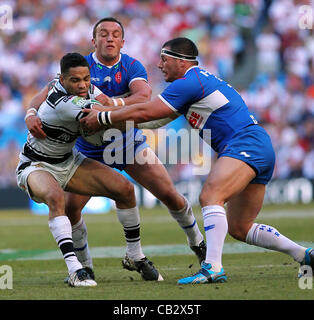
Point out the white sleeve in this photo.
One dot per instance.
(154, 124)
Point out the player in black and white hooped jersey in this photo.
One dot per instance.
(50, 166)
(57, 114)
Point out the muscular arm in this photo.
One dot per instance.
(154, 124)
(141, 112)
(32, 121)
(140, 91)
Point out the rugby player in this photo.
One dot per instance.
(49, 166)
(245, 155)
(123, 80)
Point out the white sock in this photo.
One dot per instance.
(186, 220)
(61, 230)
(130, 220)
(80, 243)
(216, 228)
(268, 237)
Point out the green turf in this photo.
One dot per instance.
(259, 276)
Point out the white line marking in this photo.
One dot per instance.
(161, 250)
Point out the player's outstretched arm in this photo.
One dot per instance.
(31, 119)
(155, 124)
(141, 112)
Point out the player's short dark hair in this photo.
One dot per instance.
(72, 60)
(110, 19)
(182, 45)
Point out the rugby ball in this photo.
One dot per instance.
(97, 138)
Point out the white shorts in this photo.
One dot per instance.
(62, 172)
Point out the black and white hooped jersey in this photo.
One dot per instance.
(60, 115)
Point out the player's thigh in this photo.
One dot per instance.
(228, 177)
(96, 179)
(148, 170)
(151, 174)
(243, 208)
(43, 186)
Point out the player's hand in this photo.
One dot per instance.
(89, 121)
(34, 126)
(104, 100)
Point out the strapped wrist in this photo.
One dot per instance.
(122, 101)
(115, 102)
(29, 114)
(104, 118)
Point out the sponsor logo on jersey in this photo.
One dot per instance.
(79, 101)
(118, 77)
(107, 79)
(64, 137)
(195, 119)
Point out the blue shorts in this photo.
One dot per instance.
(127, 147)
(253, 146)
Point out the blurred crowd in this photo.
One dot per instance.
(259, 41)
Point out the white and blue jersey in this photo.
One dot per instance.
(114, 81)
(219, 113)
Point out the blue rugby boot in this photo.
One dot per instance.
(307, 261)
(205, 275)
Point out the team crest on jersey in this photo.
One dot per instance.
(195, 120)
(118, 77)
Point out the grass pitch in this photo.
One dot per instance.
(251, 275)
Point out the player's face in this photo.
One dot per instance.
(76, 81)
(170, 67)
(108, 41)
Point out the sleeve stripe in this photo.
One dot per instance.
(139, 78)
(167, 103)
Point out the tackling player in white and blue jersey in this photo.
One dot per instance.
(219, 113)
(245, 155)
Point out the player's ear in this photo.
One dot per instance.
(61, 79)
(122, 43)
(94, 42)
(182, 63)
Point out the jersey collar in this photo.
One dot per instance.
(190, 69)
(98, 62)
(59, 87)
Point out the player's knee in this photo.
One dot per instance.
(210, 195)
(55, 200)
(126, 194)
(238, 232)
(169, 197)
